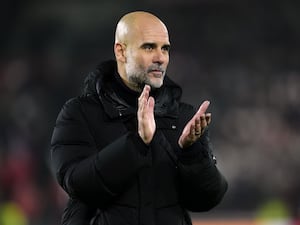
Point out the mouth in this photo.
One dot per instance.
(156, 73)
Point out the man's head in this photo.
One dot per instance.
(142, 50)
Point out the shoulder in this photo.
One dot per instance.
(82, 99)
(77, 106)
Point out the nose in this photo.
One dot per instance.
(160, 56)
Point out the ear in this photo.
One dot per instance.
(120, 52)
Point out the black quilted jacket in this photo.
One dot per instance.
(112, 177)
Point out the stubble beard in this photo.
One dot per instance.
(137, 77)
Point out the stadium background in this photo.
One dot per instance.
(241, 55)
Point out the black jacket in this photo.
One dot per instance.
(112, 177)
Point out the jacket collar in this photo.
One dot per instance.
(99, 82)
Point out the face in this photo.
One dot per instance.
(147, 57)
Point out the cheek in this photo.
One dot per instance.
(167, 58)
(143, 62)
(167, 61)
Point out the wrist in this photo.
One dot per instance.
(184, 144)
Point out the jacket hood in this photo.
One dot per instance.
(104, 72)
(98, 83)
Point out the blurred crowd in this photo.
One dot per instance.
(242, 57)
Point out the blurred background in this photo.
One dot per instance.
(241, 55)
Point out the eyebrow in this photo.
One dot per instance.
(154, 45)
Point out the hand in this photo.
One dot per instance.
(195, 127)
(145, 116)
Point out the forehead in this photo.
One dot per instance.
(151, 32)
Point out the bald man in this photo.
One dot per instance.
(128, 151)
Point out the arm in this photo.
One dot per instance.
(94, 176)
(77, 213)
(202, 186)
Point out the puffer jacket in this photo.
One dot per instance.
(112, 177)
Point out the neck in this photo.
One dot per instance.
(124, 92)
(133, 86)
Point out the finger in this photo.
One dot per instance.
(197, 126)
(150, 104)
(146, 91)
(208, 118)
(141, 97)
(192, 131)
(203, 122)
(203, 107)
(144, 97)
(141, 102)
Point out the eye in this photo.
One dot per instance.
(148, 47)
(166, 48)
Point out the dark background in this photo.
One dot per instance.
(241, 55)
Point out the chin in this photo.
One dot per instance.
(155, 85)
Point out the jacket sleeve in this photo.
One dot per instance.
(202, 186)
(77, 213)
(94, 176)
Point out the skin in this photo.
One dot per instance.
(142, 50)
(142, 53)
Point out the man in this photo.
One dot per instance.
(128, 151)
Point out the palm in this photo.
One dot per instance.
(146, 121)
(198, 123)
